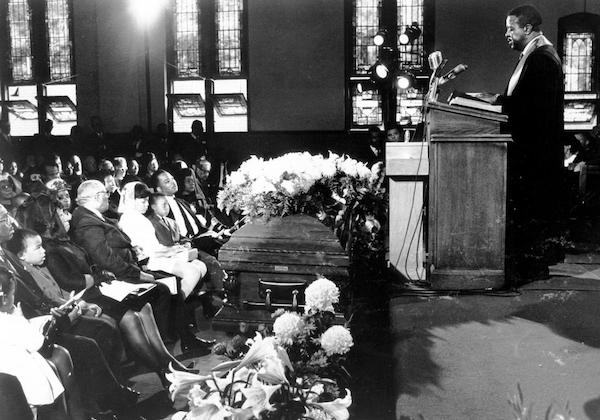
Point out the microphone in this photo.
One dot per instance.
(451, 75)
(435, 59)
(438, 71)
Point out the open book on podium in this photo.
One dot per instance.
(473, 100)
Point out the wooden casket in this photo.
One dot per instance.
(270, 264)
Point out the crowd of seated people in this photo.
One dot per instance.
(73, 223)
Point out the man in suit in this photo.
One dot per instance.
(533, 102)
(110, 249)
(188, 224)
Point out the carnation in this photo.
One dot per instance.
(336, 340)
(287, 327)
(320, 295)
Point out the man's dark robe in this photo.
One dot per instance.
(535, 158)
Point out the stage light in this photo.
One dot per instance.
(382, 71)
(404, 80)
(379, 38)
(146, 11)
(411, 33)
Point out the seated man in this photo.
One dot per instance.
(187, 222)
(110, 249)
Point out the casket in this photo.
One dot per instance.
(270, 264)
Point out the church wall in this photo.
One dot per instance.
(472, 32)
(296, 65)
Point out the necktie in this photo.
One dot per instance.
(186, 219)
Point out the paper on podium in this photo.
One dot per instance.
(170, 282)
(119, 290)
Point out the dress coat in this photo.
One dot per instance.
(108, 247)
(536, 122)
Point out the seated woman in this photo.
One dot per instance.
(69, 265)
(19, 347)
(93, 346)
(171, 259)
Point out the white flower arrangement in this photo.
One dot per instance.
(277, 187)
(336, 340)
(287, 327)
(296, 374)
(321, 295)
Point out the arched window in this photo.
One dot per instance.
(207, 72)
(38, 82)
(375, 104)
(578, 37)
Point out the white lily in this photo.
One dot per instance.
(260, 350)
(181, 383)
(209, 409)
(272, 371)
(258, 396)
(338, 408)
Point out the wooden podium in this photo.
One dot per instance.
(467, 197)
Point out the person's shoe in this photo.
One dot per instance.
(127, 398)
(211, 305)
(195, 345)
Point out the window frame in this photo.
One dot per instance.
(208, 58)
(40, 53)
(582, 23)
(388, 23)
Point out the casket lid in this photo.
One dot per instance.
(292, 242)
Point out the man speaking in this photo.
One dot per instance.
(533, 101)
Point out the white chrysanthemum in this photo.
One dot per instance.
(336, 340)
(288, 186)
(287, 327)
(261, 186)
(320, 295)
(363, 171)
(236, 178)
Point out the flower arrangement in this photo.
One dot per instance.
(297, 373)
(286, 185)
(343, 193)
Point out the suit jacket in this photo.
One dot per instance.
(107, 246)
(535, 120)
(166, 230)
(187, 207)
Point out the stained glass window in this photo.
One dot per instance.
(409, 107)
(187, 38)
(366, 22)
(59, 41)
(19, 22)
(409, 11)
(366, 106)
(578, 62)
(228, 21)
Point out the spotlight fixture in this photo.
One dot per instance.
(404, 80)
(381, 71)
(411, 33)
(379, 37)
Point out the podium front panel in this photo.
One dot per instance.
(467, 211)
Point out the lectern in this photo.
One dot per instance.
(467, 197)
